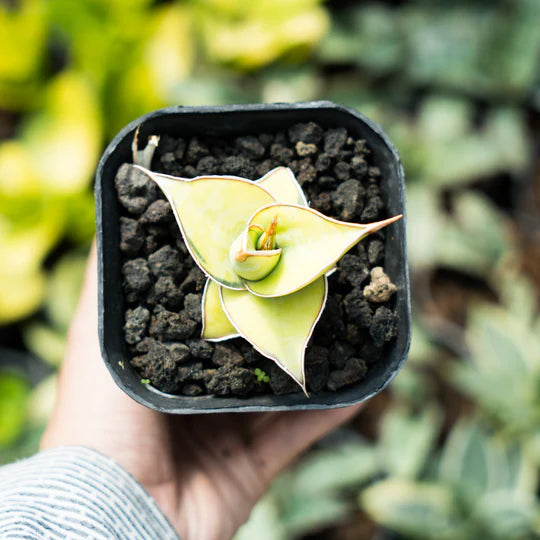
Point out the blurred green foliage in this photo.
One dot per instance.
(502, 372)
(484, 49)
(14, 394)
(453, 83)
(479, 487)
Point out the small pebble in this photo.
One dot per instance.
(381, 288)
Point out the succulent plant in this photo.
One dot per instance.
(266, 255)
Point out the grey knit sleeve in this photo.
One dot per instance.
(72, 493)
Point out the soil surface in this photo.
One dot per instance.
(163, 286)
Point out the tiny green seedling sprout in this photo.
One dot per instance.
(145, 381)
(261, 375)
(265, 252)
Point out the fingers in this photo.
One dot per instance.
(283, 436)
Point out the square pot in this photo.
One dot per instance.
(227, 122)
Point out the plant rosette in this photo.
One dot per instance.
(265, 253)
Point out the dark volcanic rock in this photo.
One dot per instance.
(144, 345)
(251, 146)
(305, 172)
(342, 171)
(358, 309)
(171, 326)
(307, 133)
(265, 167)
(331, 323)
(359, 167)
(137, 278)
(281, 383)
(232, 380)
(165, 292)
(317, 368)
(281, 153)
(239, 166)
(323, 163)
(322, 202)
(194, 281)
(192, 306)
(131, 236)
(349, 199)
(136, 323)
(354, 370)
(370, 352)
(353, 334)
(384, 326)
(334, 141)
(196, 150)
(375, 252)
(373, 205)
(154, 238)
(165, 260)
(227, 354)
(160, 368)
(353, 269)
(339, 353)
(200, 348)
(207, 165)
(179, 352)
(135, 189)
(159, 212)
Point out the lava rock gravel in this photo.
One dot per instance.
(163, 286)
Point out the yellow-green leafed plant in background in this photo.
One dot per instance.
(44, 176)
(266, 255)
(14, 394)
(23, 34)
(249, 35)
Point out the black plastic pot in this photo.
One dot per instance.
(226, 122)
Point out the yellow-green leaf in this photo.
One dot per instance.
(23, 37)
(278, 328)
(248, 262)
(216, 324)
(311, 244)
(257, 264)
(283, 186)
(22, 282)
(212, 211)
(20, 294)
(169, 53)
(14, 394)
(416, 509)
(63, 140)
(17, 177)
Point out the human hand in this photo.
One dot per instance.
(206, 472)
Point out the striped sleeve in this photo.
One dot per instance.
(72, 493)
